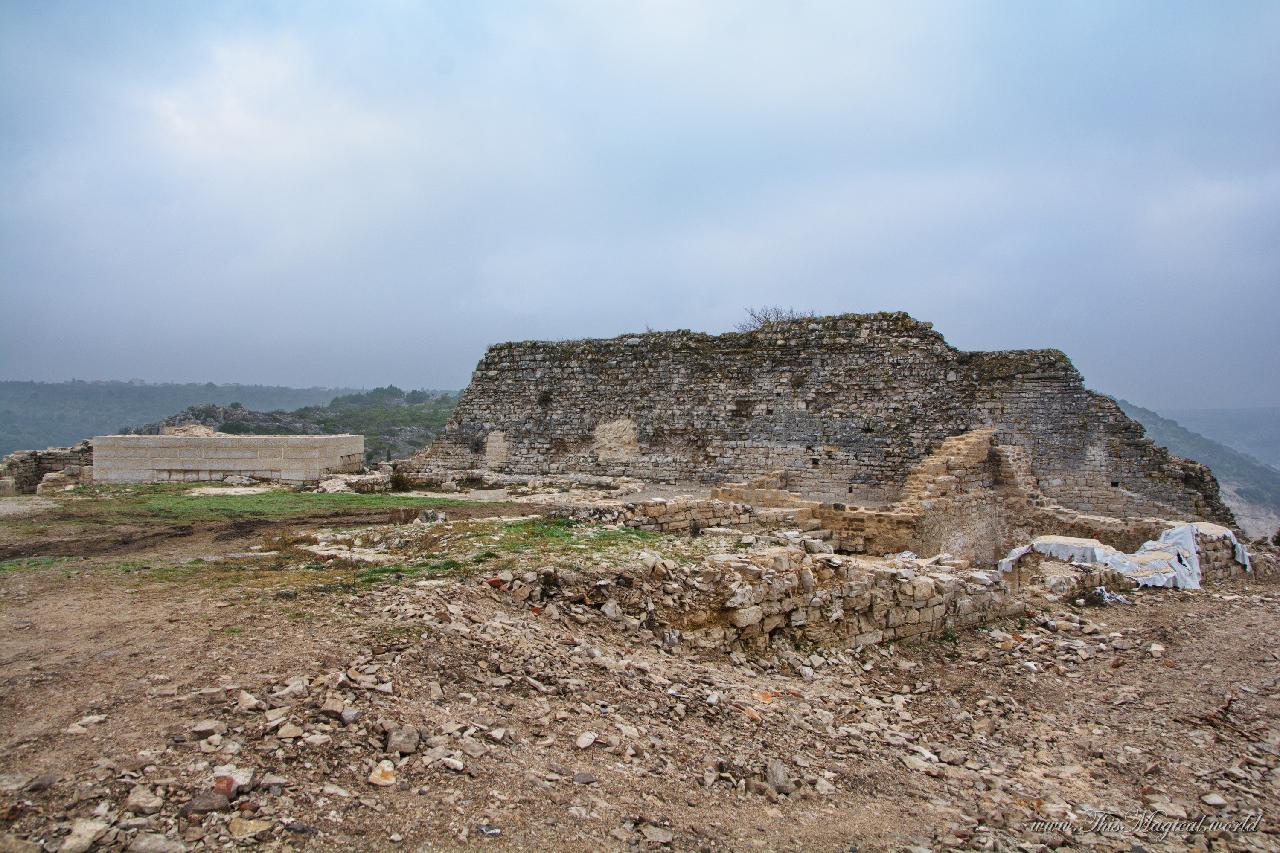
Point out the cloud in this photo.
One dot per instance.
(374, 192)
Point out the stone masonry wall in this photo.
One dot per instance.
(845, 405)
(287, 458)
(28, 467)
(970, 498)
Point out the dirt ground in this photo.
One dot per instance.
(129, 695)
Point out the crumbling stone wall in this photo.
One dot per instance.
(846, 405)
(971, 498)
(28, 467)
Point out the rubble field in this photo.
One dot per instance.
(388, 672)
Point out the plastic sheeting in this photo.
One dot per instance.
(1170, 561)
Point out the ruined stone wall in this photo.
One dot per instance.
(28, 467)
(287, 458)
(971, 498)
(846, 405)
(827, 599)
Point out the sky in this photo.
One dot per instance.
(351, 194)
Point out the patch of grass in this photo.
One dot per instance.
(173, 503)
(30, 563)
(947, 636)
(484, 557)
(400, 572)
(562, 535)
(536, 533)
(619, 535)
(232, 629)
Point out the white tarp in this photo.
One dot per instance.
(1169, 561)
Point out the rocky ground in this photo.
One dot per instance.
(267, 696)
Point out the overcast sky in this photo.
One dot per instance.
(353, 194)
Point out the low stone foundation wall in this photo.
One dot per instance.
(284, 458)
(829, 599)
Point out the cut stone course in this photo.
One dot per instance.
(282, 458)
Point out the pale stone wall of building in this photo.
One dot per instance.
(287, 458)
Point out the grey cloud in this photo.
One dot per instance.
(374, 192)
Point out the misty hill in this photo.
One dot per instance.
(35, 415)
(1250, 488)
(394, 422)
(1253, 431)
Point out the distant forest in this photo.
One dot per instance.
(394, 422)
(44, 414)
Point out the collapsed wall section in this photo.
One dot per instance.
(286, 458)
(27, 468)
(847, 406)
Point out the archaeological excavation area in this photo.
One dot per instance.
(828, 585)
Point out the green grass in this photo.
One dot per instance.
(173, 503)
(400, 572)
(560, 534)
(29, 563)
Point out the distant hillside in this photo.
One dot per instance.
(395, 423)
(1252, 431)
(1251, 489)
(35, 415)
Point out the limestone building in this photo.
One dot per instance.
(847, 406)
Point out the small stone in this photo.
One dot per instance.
(582, 777)
(822, 786)
(247, 702)
(489, 830)
(1157, 650)
(586, 739)
(384, 775)
(242, 829)
(205, 728)
(11, 783)
(747, 616)
(333, 707)
(272, 780)
(83, 835)
(403, 740)
(656, 834)
(473, 747)
(43, 782)
(14, 844)
(206, 801)
(154, 842)
(1214, 799)
(778, 778)
(143, 801)
(289, 731)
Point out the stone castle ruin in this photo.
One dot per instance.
(839, 449)
(846, 407)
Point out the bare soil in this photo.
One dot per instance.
(1012, 739)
